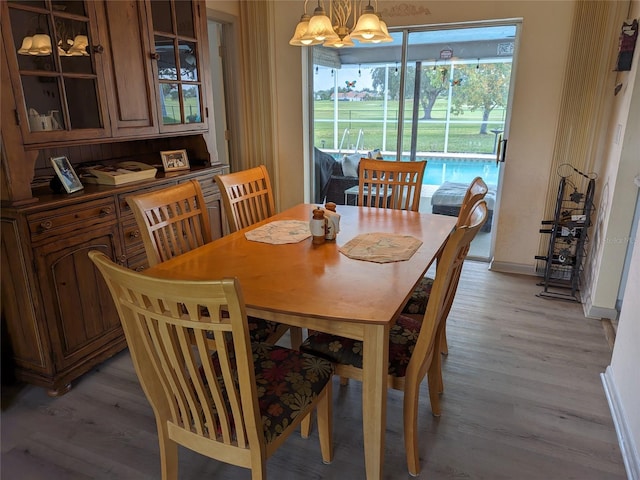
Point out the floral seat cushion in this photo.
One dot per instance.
(287, 381)
(260, 330)
(417, 303)
(346, 351)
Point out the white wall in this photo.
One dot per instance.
(620, 163)
(622, 378)
(230, 7)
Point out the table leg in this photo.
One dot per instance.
(375, 364)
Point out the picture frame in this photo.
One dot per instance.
(173, 160)
(66, 174)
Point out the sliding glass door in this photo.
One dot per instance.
(435, 94)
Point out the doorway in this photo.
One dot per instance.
(438, 93)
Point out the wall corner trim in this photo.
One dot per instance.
(630, 454)
(593, 311)
(508, 267)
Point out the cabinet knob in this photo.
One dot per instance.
(140, 268)
(98, 49)
(155, 56)
(46, 225)
(105, 211)
(134, 234)
(122, 259)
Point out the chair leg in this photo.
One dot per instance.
(437, 374)
(168, 453)
(325, 423)
(436, 363)
(259, 471)
(444, 346)
(296, 337)
(434, 394)
(410, 420)
(305, 425)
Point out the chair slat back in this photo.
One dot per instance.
(477, 191)
(389, 184)
(443, 291)
(207, 399)
(247, 197)
(172, 221)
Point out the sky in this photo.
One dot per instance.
(323, 80)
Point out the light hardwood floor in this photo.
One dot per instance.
(523, 400)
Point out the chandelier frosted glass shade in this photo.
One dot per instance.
(340, 42)
(39, 45)
(368, 28)
(320, 27)
(388, 38)
(299, 39)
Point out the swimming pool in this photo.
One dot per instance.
(462, 169)
(439, 171)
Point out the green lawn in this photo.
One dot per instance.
(172, 110)
(368, 116)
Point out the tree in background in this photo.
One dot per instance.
(483, 87)
(434, 82)
(377, 82)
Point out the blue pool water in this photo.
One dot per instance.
(461, 170)
(439, 171)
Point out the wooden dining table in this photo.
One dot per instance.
(317, 287)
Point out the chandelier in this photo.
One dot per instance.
(69, 42)
(347, 21)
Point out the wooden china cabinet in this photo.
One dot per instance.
(97, 82)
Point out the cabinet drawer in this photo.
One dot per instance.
(132, 237)
(123, 206)
(72, 218)
(138, 262)
(208, 186)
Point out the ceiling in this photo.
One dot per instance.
(471, 44)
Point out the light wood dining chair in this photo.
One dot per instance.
(417, 303)
(389, 184)
(247, 197)
(476, 191)
(173, 221)
(413, 340)
(237, 403)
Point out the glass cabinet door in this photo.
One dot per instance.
(178, 64)
(56, 70)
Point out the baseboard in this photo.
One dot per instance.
(506, 267)
(629, 452)
(591, 311)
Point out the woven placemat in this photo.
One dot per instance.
(280, 232)
(381, 247)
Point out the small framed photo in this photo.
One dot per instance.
(66, 174)
(174, 160)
